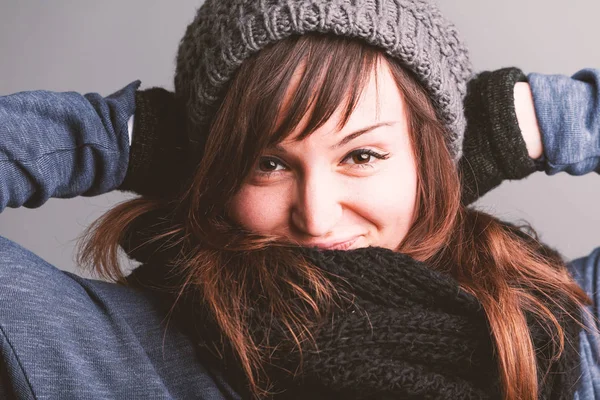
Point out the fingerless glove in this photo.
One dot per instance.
(159, 164)
(493, 149)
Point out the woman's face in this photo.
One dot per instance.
(338, 189)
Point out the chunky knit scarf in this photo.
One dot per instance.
(408, 332)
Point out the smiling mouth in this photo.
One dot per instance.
(337, 246)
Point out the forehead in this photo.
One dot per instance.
(379, 100)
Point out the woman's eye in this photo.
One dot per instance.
(364, 156)
(360, 158)
(268, 165)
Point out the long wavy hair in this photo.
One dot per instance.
(498, 263)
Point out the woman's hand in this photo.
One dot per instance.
(158, 160)
(528, 123)
(494, 148)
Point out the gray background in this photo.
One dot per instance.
(92, 46)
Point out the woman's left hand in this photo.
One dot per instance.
(502, 139)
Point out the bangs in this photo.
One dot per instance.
(301, 79)
(313, 76)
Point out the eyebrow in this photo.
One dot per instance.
(360, 132)
(350, 137)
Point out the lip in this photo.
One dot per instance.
(337, 245)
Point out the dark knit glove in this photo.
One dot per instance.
(158, 160)
(493, 149)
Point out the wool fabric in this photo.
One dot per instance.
(158, 166)
(405, 331)
(493, 149)
(224, 33)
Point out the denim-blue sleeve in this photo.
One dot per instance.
(71, 338)
(62, 144)
(568, 113)
(586, 271)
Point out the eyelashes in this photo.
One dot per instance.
(360, 153)
(361, 158)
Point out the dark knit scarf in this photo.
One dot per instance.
(409, 333)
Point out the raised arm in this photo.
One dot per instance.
(520, 124)
(568, 113)
(568, 109)
(499, 127)
(62, 145)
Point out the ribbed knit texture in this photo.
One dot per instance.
(494, 149)
(404, 332)
(409, 333)
(226, 32)
(159, 165)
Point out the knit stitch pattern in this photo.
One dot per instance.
(227, 32)
(405, 331)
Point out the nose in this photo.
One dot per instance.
(318, 205)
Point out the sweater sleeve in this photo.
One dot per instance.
(62, 144)
(13, 379)
(568, 113)
(586, 271)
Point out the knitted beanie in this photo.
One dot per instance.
(224, 33)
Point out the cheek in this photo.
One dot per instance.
(259, 210)
(382, 204)
(388, 202)
(393, 199)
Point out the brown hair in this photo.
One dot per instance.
(503, 267)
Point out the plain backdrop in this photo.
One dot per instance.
(93, 46)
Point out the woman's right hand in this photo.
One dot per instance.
(158, 160)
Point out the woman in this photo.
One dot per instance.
(411, 293)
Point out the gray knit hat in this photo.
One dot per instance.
(226, 32)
